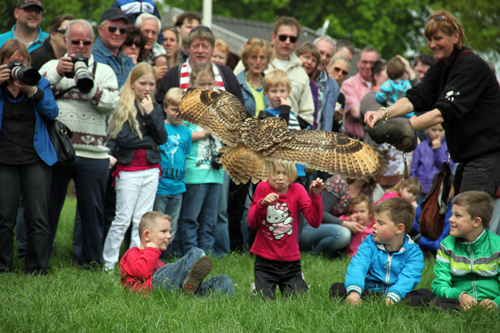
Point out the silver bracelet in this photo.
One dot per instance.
(383, 108)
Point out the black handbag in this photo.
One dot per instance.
(60, 135)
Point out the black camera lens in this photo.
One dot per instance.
(84, 81)
(26, 75)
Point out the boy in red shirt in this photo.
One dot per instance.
(143, 271)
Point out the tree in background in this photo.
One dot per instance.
(392, 26)
(87, 9)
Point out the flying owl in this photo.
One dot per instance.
(252, 145)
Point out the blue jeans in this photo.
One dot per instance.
(171, 205)
(326, 239)
(199, 216)
(221, 245)
(172, 276)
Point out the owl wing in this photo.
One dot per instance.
(243, 164)
(220, 112)
(327, 151)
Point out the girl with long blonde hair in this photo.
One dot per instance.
(136, 131)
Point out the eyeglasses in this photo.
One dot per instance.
(78, 42)
(112, 29)
(137, 44)
(61, 31)
(336, 69)
(283, 38)
(441, 18)
(33, 9)
(201, 28)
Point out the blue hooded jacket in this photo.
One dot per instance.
(374, 268)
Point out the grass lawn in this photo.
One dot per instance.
(72, 300)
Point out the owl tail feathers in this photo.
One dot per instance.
(243, 164)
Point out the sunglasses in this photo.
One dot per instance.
(61, 31)
(112, 29)
(441, 18)
(336, 69)
(78, 42)
(136, 43)
(283, 38)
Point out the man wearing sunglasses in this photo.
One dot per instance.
(28, 14)
(85, 115)
(285, 39)
(112, 33)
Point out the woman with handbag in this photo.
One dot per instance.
(26, 154)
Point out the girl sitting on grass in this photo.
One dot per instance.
(408, 189)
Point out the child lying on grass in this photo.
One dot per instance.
(143, 271)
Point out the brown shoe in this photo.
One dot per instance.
(397, 132)
(200, 269)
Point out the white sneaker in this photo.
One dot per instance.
(252, 288)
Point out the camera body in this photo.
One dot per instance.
(216, 165)
(26, 75)
(84, 81)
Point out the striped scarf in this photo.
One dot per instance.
(186, 73)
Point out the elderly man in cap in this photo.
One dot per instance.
(28, 14)
(112, 33)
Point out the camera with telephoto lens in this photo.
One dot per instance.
(26, 75)
(84, 81)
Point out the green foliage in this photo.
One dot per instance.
(392, 26)
(86, 9)
(73, 300)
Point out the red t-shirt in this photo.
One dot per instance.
(138, 266)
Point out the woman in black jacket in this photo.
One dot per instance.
(461, 92)
(136, 131)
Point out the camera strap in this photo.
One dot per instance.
(63, 92)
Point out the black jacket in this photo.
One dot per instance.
(42, 54)
(153, 135)
(467, 93)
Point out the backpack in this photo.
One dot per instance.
(435, 205)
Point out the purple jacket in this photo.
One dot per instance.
(427, 162)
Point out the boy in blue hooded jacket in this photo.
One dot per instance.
(388, 263)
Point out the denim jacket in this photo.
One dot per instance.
(247, 94)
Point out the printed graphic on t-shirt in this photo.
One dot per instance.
(278, 220)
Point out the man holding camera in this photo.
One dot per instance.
(86, 91)
(28, 14)
(112, 33)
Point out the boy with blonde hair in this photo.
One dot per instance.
(466, 271)
(143, 271)
(173, 166)
(277, 87)
(388, 263)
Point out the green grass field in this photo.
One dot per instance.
(70, 299)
